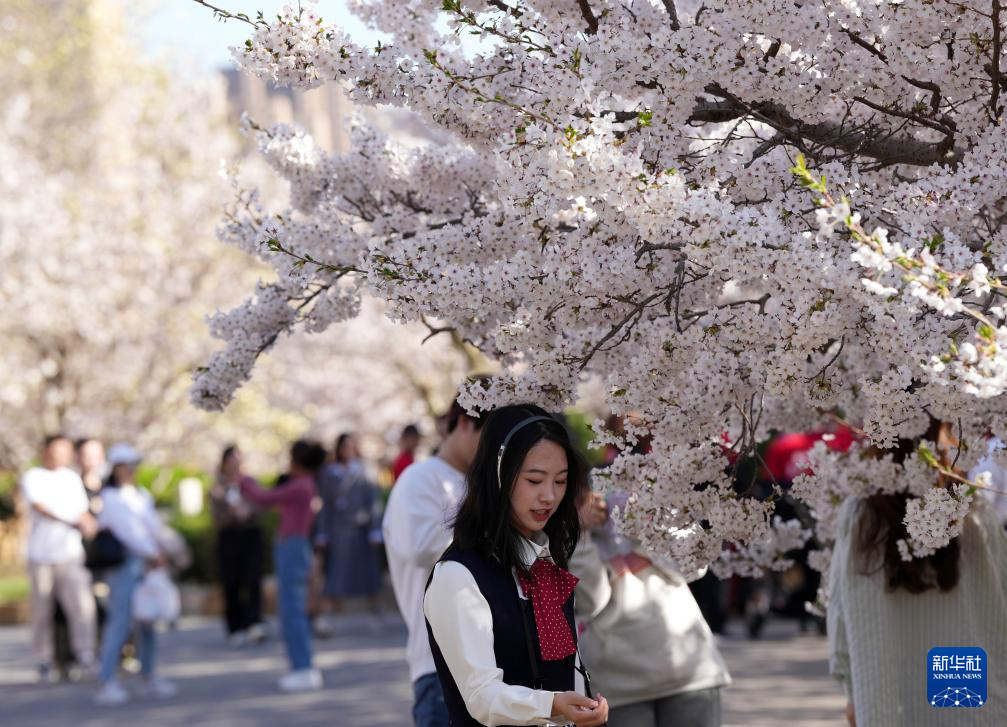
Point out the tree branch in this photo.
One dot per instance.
(592, 21)
(995, 62)
(669, 6)
(886, 150)
(222, 14)
(865, 44)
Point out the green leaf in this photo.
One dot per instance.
(927, 456)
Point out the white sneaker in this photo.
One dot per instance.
(237, 640)
(111, 694)
(158, 688)
(47, 675)
(86, 672)
(256, 634)
(324, 627)
(301, 680)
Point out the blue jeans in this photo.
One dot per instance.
(292, 557)
(429, 709)
(122, 581)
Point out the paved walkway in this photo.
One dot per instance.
(778, 680)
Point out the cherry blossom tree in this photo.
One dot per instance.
(742, 214)
(369, 376)
(110, 196)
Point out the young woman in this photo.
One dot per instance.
(292, 558)
(128, 512)
(345, 529)
(499, 605)
(239, 552)
(885, 614)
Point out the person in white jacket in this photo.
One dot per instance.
(644, 638)
(128, 512)
(417, 530)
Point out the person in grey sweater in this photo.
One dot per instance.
(644, 638)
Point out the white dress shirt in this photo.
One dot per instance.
(462, 623)
(62, 493)
(129, 513)
(417, 531)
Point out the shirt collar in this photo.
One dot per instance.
(534, 548)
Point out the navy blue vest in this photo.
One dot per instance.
(509, 641)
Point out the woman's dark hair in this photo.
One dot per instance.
(484, 521)
(112, 480)
(880, 526)
(229, 451)
(341, 440)
(307, 454)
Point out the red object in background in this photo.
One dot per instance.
(725, 447)
(784, 457)
(399, 465)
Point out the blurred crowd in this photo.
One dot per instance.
(101, 561)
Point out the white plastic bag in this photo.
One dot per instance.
(156, 598)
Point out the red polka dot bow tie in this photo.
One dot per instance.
(548, 587)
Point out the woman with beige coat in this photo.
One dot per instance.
(643, 637)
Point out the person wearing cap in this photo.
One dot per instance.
(128, 512)
(58, 518)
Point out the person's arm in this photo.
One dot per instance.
(462, 625)
(594, 589)
(254, 492)
(416, 527)
(219, 508)
(30, 491)
(132, 529)
(327, 483)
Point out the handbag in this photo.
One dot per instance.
(105, 551)
(156, 598)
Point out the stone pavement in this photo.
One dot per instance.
(781, 679)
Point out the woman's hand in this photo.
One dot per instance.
(593, 511)
(851, 715)
(580, 710)
(87, 526)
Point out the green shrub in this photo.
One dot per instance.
(577, 422)
(13, 588)
(8, 488)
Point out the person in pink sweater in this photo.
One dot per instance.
(292, 558)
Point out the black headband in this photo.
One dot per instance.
(510, 434)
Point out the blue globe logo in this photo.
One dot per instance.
(960, 697)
